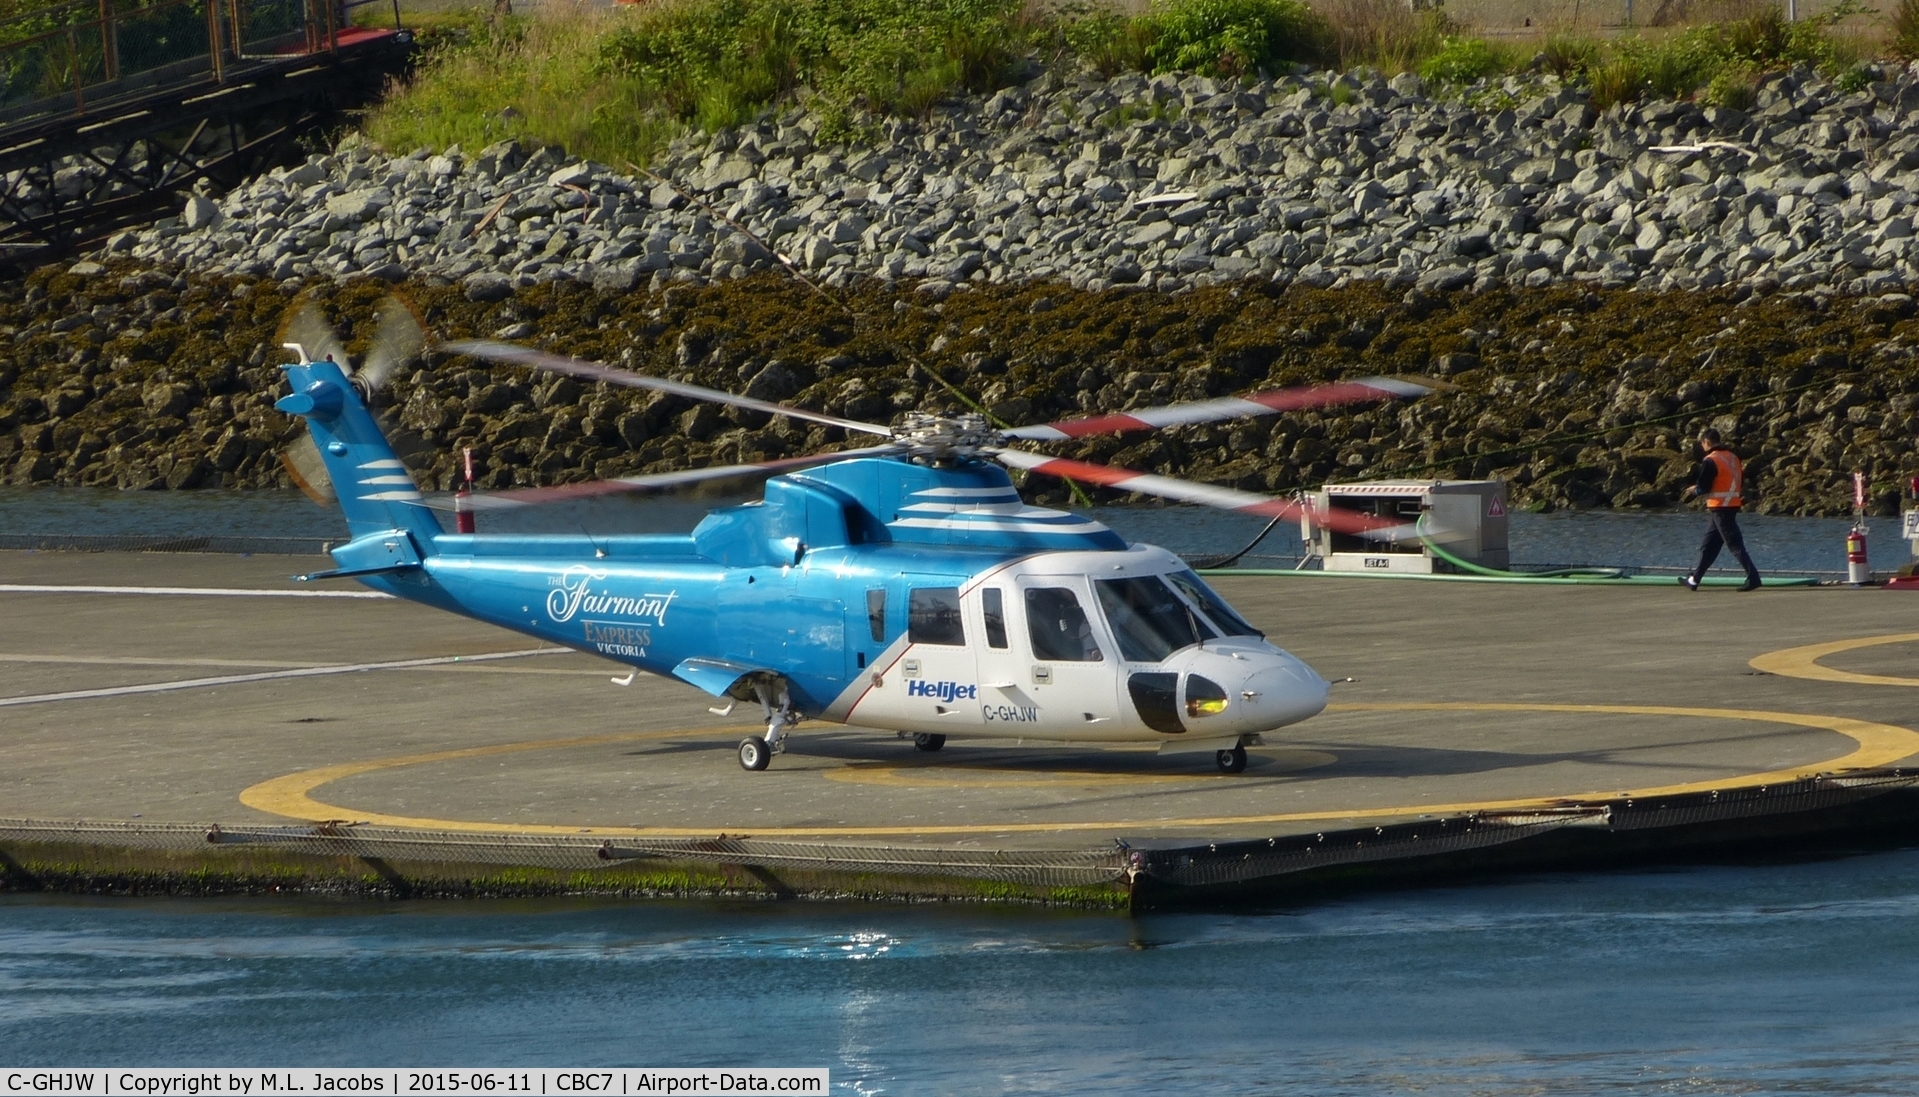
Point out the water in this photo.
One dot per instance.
(1775, 979)
(1645, 540)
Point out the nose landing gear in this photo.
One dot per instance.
(1231, 761)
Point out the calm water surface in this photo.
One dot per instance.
(1798, 978)
(1606, 538)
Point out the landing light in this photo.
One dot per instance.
(1204, 697)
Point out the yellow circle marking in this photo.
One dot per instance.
(965, 776)
(1877, 745)
(1803, 662)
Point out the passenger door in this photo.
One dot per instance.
(1044, 668)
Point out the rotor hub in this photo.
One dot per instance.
(942, 438)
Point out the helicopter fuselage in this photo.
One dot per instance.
(1058, 645)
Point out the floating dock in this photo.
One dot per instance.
(197, 723)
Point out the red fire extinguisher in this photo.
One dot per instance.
(1858, 571)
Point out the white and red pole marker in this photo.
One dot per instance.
(462, 512)
(1858, 569)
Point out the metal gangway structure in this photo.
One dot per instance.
(111, 111)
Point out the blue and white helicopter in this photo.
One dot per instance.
(903, 586)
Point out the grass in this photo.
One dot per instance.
(1717, 63)
(537, 80)
(618, 84)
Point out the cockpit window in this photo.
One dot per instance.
(1149, 619)
(1059, 628)
(1215, 607)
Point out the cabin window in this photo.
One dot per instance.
(933, 616)
(876, 614)
(1229, 622)
(1059, 628)
(995, 607)
(1150, 621)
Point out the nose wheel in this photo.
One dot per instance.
(1231, 761)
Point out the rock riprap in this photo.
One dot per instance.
(1579, 396)
(1165, 182)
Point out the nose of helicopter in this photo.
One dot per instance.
(1282, 691)
(1264, 688)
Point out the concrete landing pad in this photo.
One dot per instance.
(247, 709)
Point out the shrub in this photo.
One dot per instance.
(1617, 80)
(1905, 29)
(1113, 43)
(1462, 61)
(1233, 37)
(1568, 56)
(716, 62)
(1385, 34)
(1734, 89)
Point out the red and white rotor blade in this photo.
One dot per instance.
(659, 481)
(594, 371)
(1269, 402)
(1186, 491)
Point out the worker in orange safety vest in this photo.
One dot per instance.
(1721, 482)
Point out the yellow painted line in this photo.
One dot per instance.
(932, 774)
(1803, 662)
(1876, 745)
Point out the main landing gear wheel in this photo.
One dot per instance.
(927, 741)
(754, 753)
(1229, 761)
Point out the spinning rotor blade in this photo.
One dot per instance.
(307, 326)
(398, 340)
(659, 481)
(308, 471)
(1185, 491)
(1269, 402)
(593, 371)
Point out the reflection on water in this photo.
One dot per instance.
(1604, 538)
(1774, 979)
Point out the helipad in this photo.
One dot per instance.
(182, 689)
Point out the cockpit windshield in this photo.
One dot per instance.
(1213, 605)
(1148, 619)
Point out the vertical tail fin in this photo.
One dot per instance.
(375, 491)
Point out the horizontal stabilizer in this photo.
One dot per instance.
(351, 573)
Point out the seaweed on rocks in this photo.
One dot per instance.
(1579, 396)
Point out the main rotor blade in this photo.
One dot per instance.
(398, 340)
(593, 371)
(307, 326)
(659, 481)
(1269, 402)
(1186, 491)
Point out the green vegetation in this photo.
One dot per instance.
(617, 85)
(1232, 37)
(1718, 62)
(1905, 29)
(1463, 60)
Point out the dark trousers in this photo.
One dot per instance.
(1723, 530)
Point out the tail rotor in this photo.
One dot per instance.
(398, 340)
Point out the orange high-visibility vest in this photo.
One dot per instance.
(1728, 480)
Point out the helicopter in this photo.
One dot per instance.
(902, 586)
